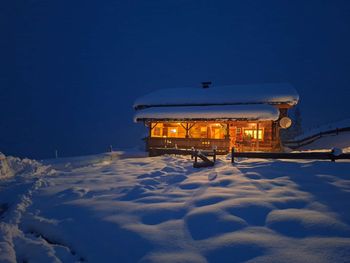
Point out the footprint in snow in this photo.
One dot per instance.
(190, 186)
(212, 176)
(73, 192)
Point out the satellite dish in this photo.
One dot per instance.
(285, 122)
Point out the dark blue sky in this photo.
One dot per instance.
(70, 70)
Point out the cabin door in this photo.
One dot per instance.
(233, 132)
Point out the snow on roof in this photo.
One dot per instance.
(231, 112)
(221, 95)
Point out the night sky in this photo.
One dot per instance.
(70, 70)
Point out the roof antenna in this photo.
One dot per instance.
(206, 84)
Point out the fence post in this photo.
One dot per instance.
(332, 156)
(56, 154)
(232, 155)
(214, 157)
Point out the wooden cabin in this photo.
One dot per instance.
(247, 117)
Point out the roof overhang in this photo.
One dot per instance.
(207, 113)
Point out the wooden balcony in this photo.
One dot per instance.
(221, 145)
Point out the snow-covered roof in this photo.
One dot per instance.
(227, 112)
(221, 95)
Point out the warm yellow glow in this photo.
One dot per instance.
(199, 130)
(168, 129)
(157, 130)
(251, 134)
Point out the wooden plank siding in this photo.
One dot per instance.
(235, 137)
(242, 134)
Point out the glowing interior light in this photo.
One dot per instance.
(173, 130)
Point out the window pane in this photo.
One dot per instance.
(199, 130)
(157, 131)
(252, 134)
(172, 130)
(217, 131)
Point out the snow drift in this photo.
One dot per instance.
(161, 209)
(10, 166)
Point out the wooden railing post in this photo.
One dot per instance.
(232, 155)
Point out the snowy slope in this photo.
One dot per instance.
(111, 209)
(324, 128)
(340, 141)
(333, 135)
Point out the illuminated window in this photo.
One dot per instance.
(157, 131)
(208, 130)
(173, 130)
(217, 131)
(251, 134)
(199, 130)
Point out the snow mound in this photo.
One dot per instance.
(11, 166)
(203, 223)
(5, 170)
(303, 222)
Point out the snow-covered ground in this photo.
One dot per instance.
(324, 128)
(340, 141)
(119, 208)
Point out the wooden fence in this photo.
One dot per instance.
(298, 155)
(307, 140)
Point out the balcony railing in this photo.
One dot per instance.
(221, 145)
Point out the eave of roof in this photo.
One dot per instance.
(202, 113)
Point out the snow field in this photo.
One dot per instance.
(161, 209)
